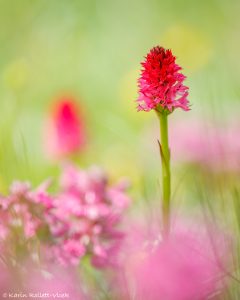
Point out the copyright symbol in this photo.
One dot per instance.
(4, 295)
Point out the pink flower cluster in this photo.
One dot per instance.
(84, 215)
(161, 84)
(81, 218)
(21, 211)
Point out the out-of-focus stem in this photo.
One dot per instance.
(166, 172)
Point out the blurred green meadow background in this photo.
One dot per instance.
(92, 50)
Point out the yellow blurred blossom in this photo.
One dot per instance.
(192, 48)
(16, 74)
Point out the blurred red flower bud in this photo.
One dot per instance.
(65, 132)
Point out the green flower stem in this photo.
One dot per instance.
(166, 172)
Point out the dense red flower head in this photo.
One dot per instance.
(161, 84)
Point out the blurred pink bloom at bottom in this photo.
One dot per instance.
(176, 270)
(31, 282)
(56, 281)
(6, 282)
(183, 267)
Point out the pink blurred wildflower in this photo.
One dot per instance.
(19, 212)
(81, 219)
(161, 84)
(84, 217)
